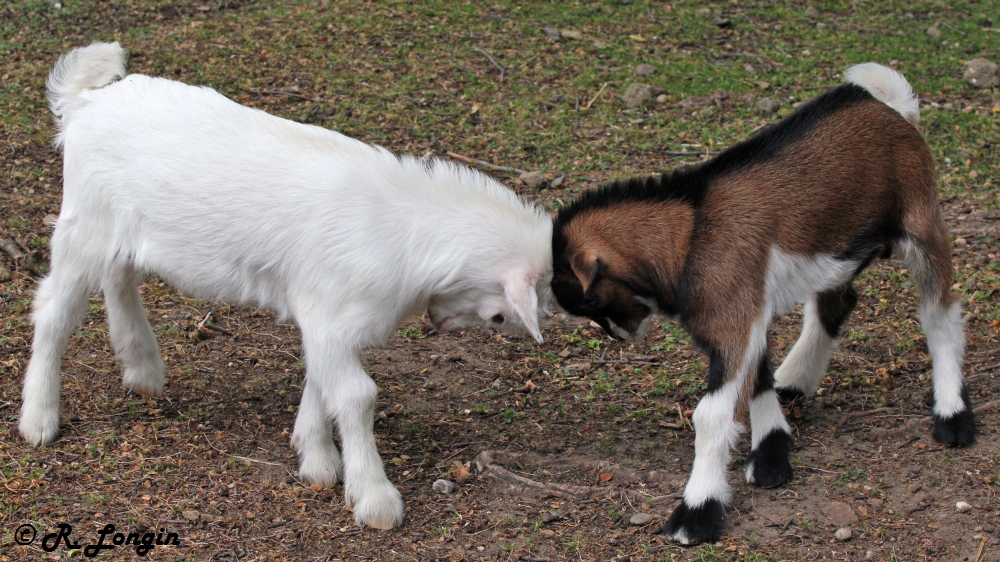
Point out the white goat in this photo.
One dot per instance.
(230, 203)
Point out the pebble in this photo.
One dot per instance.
(840, 514)
(443, 486)
(811, 12)
(934, 32)
(662, 98)
(982, 73)
(768, 105)
(961, 242)
(552, 33)
(707, 112)
(640, 519)
(721, 22)
(703, 12)
(571, 34)
(644, 69)
(843, 534)
(637, 94)
(532, 179)
(963, 507)
(190, 515)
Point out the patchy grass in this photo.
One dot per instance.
(417, 77)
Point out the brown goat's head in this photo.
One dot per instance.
(587, 282)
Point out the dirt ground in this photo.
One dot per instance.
(554, 447)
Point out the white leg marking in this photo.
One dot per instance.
(716, 432)
(765, 417)
(806, 363)
(946, 343)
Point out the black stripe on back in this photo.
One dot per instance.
(690, 184)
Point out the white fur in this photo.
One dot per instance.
(793, 279)
(945, 332)
(790, 279)
(946, 343)
(716, 433)
(887, 86)
(805, 365)
(765, 417)
(230, 203)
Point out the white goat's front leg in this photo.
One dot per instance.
(131, 335)
(60, 302)
(312, 439)
(350, 397)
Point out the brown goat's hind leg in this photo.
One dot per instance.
(802, 370)
(927, 254)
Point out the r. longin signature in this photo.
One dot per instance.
(108, 538)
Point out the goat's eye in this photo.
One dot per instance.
(590, 301)
(498, 319)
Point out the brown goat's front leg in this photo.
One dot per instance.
(701, 516)
(769, 462)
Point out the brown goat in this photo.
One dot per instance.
(792, 215)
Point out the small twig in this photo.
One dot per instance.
(597, 95)
(981, 372)
(499, 66)
(205, 319)
(682, 153)
(219, 329)
(248, 459)
(625, 362)
(852, 415)
(484, 163)
(958, 31)
(982, 550)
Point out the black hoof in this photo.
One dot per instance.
(770, 464)
(958, 430)
(789, 394)
(691, 526)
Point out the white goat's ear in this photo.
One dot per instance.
(519, 288)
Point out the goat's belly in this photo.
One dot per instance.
(795, 278)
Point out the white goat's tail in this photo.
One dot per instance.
(887, 86)
(82, 69)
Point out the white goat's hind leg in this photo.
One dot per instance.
(823, 315)
(312, 439)
(350, 395)
(131, 335)
(59, 304)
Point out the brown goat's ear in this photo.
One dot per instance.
(588, 268)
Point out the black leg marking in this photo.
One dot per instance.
(960, 429)
(769, 464)
(765, 377)
(789, 394)
(835, 306)
(716, 370)
(690, 526)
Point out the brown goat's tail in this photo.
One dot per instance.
(887, 86)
